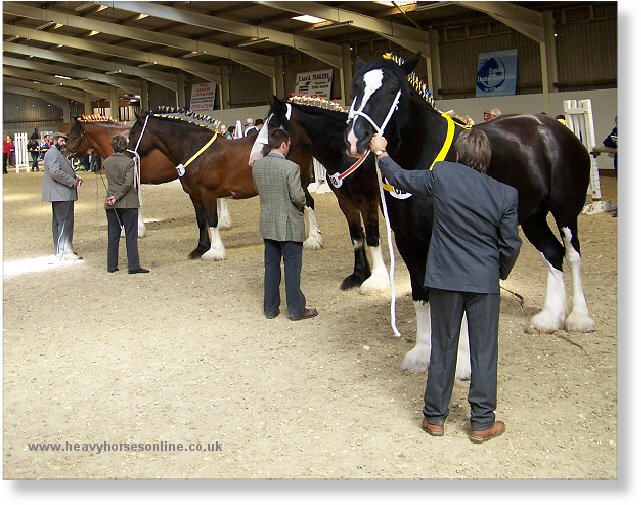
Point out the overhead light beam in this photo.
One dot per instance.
(46, 25)
(331, 25)
(254, 41)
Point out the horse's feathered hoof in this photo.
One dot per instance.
(351, 282)
(580, 323)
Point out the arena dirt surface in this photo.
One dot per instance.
(184, 355)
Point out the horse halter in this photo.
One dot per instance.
(75, 149)
(137, 161)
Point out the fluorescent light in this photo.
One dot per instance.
(400, 3)
(306, 18)
(143, 65)
(62, 76)
(143, 16)
(102, 8)
(191, 55)
(254, 41)
(85, 6)
(112, 72)
(332, 25)
(58, 25)
(92, 33)
(12, 38)
(46, 25)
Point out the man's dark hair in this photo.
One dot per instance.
(277, 137)
(473, 149)
(119, 143)
(259, 122)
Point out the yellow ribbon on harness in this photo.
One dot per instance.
(447, 144)
(202, 150)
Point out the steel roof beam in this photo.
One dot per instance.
(47, 88)
(94, 89)
(524, 20)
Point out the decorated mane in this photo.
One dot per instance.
(187, 115)
(316, 101)
(424, 91)
(96, 118)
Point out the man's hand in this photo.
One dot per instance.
(110, 200)
(377, 143)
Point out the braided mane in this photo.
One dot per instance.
(98, 118)
(182, 114)
(316, 101)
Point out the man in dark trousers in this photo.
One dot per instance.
(282, 226)
(475, 241)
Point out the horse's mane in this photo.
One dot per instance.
(423, 90)
(98, 118)
(182, 114)
(316, 101)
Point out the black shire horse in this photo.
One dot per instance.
(534, 153)
(316, 127)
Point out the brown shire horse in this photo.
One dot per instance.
(534, 153)
(95, 132)
(212, 170)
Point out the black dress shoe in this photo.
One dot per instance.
(307, 313)
(112, 270)
(139, 271)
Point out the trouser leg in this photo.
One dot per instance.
(293, 265)
(129, 219)
(113, 238)
(483, 323)
(62, 226)
(271, 298)
(446, 314)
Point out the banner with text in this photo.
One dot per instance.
(202, 96)
(497, 73)
(315, 83)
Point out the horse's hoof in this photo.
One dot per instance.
(544, 322)
(351, 282)
(580, 323)
(216, 256)
(416, 360)
(313, 244)
(374, 285)
(196, 254)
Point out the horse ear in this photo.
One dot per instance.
(409, 65)
(360, 63)
(138, 116)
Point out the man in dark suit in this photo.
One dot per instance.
(475, 241)
(282, 226)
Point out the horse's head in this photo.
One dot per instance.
(76, 142)
(137, 134)
(377, 88)
(277, 117)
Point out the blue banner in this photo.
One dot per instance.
(497, 73)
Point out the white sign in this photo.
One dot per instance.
(202, 96)
(315, 83)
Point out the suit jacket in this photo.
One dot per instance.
(475, 240)
(58, 178)
(282, 199)
(120, 181)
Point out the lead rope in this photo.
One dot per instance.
(390, 246)
(137, 162)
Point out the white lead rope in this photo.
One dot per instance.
(390, 246)
(137, 162)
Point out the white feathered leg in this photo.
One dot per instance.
(217, 250)
(224, 218)
(552, 316)
(314, 239)
(417, 359)
(378, 281)
(579, 318)
(141, 224)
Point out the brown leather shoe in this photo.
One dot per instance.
(307, 313)
(480, 436)
(436, 430)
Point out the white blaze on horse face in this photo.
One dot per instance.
(373, 81)
(261, 141)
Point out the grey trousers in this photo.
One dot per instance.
(292, 254)
(483, 321)
(62, 226)
(129, 219)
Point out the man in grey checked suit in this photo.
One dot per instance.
(475, 241)
(59, 186)
(282, 226)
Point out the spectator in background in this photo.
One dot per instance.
(223, 130)
(7, 148)
(259, 124)
(33, 146)
(612, 142)
(491, 114)
(250, 127)
(44, 147)
(229, 134)
(36, 134)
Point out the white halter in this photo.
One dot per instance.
(137, 161)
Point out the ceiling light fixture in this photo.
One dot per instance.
(12, 38)
(331, 25)
(306, 18)
(102, 8)
(112, 72)
(191, 55)
(85, 6)
(253, 41)
(62, 76)
(92, 33)
(58, 25)
(46, 25)
(143, 65)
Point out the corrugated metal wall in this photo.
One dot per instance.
(24, 113)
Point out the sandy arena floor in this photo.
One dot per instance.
(183, 355)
